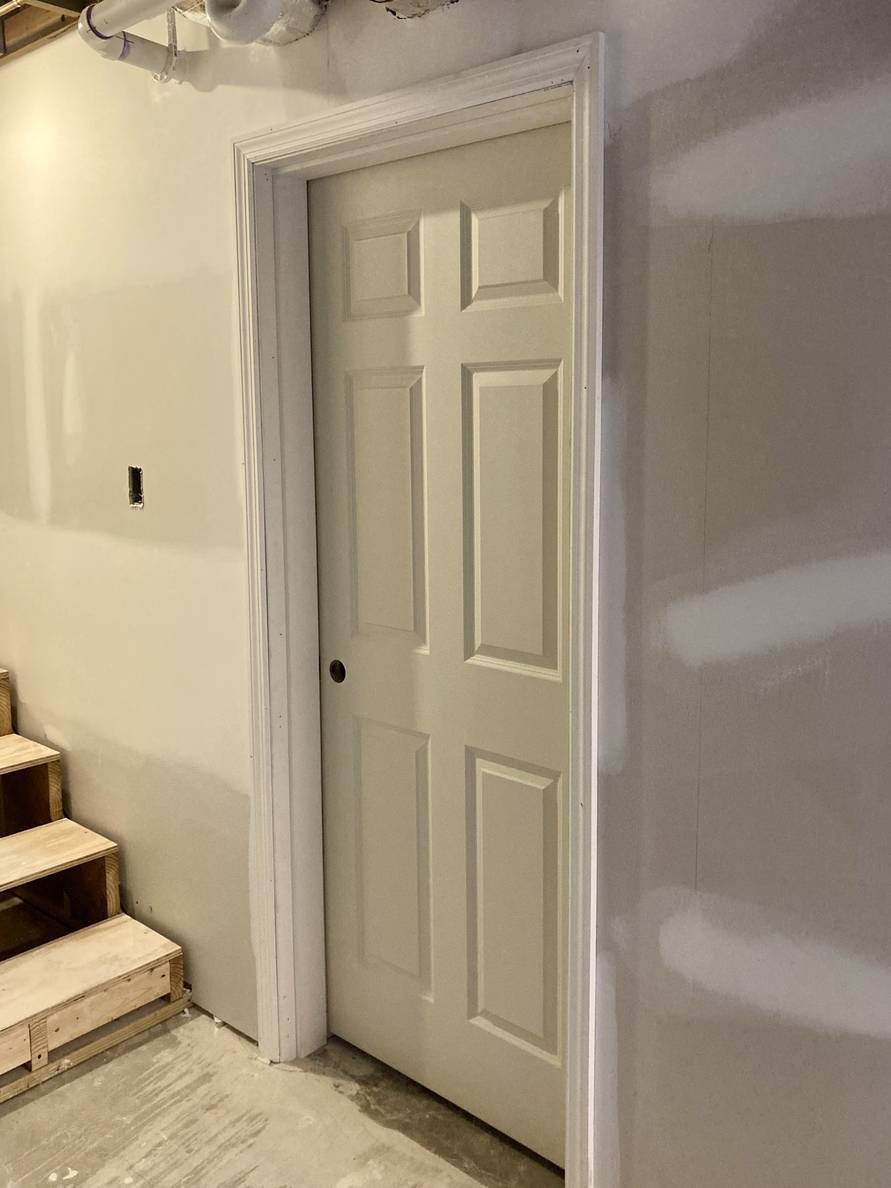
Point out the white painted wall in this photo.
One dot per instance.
(744, 1023)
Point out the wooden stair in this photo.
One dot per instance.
(76, 975)
(49, 849)
(31, 778)
(17, 753)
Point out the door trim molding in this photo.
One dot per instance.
(287, 898)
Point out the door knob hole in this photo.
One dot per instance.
(337, 670)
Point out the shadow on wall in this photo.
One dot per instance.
(811, 50)
(93, 383)
(744, 887)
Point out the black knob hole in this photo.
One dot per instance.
(338, 671)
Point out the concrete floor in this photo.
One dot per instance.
(190, 1105)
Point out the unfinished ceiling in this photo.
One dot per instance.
(27, 24)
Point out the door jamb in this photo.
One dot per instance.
(287, 896)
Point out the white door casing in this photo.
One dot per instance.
(441, 359)
(531, 90)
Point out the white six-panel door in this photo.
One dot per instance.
(441, 348)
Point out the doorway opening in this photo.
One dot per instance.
(533, 92)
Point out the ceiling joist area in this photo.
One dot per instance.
(26, 24)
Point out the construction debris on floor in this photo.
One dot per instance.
(190, 1105)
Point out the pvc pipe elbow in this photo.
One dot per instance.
(107, 45)
(159, 60)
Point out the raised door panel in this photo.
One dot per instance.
(382, 266)
(514, 910)
(392, 782)
(385, 430)
(512, 515)
(512, 255)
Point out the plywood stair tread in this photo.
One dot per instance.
(17, 753)
(48, 849)
(42, 981)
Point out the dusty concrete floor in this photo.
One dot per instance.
(190, 1106)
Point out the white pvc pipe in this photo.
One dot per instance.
(102, 26)
(114, 16)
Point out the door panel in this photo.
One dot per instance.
(392, 783)
(512, 512)
(513, 901)
(385, 427)
(382, 267)
(441, 348)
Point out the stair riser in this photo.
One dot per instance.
(5, 706)
(22, 928)
(30, 797)
(106, 1006)
(15, 1048)
(90, 1048)
(78, 897)
(32, 1043)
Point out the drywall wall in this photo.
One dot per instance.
(743, 1030)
